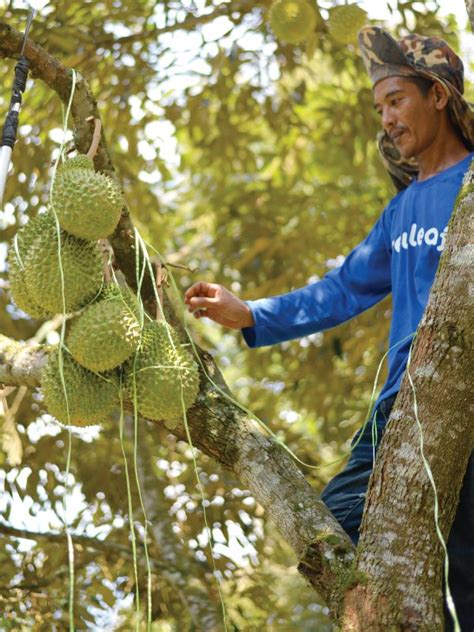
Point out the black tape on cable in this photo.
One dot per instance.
(10, 129)
(19, 84)
(21, 75)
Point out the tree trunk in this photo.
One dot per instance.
(399, 554)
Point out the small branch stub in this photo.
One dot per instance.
(107, 255)
(161, 278)
(95, 137)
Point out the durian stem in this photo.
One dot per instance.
(17, 401)
(6, 391)
(47, 327)
(11, 442)
(9, 422)
(4, 407)
(106, 259)
(95, 136)
(181, 266)
(161, 275)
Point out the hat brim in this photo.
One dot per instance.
(379, 49)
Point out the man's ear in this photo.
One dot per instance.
(440, 96)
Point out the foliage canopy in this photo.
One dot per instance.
(253, 161)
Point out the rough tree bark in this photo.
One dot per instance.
(380, 589)
(399, 555)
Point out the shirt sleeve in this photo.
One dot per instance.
(361, 281)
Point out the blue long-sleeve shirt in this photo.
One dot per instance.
(399, 255)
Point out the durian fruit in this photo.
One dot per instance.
(345, 21)
(89, 398)
(292, 21)
(81, 161)
(81, 265)
(88, 204)
(107, 332)
(162, 375)
(16, 259)
(20, 293)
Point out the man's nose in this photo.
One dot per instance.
(388, 119)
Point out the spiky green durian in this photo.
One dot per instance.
(81, 161)
(17, 253)
(81, 265)
(107, 332)
(89, 398)
(20, 293)
(162, 375)
(292, 21)
(88, 204)
(345, 21)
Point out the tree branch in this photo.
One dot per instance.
(190, 22)
(83, 540)
(21, 363)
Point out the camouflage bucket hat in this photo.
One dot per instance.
(415, 56)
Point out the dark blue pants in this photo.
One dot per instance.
(345, 497)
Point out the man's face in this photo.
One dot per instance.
(409, 118)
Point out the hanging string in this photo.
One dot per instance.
(141, 247)
(142, 504)
(140, 278)
(130, 511)
(62, 346)
(113, 278)
(70, 544)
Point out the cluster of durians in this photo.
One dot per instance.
(109, 355)
(294, 21)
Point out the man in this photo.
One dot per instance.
(427, 146)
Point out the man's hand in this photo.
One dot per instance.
(218, 304)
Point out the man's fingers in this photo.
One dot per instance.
(198, 302)
(216, 303)
(201, 288)
(195, 289)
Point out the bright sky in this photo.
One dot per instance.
(377, 9)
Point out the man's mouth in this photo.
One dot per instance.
(396, 135)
